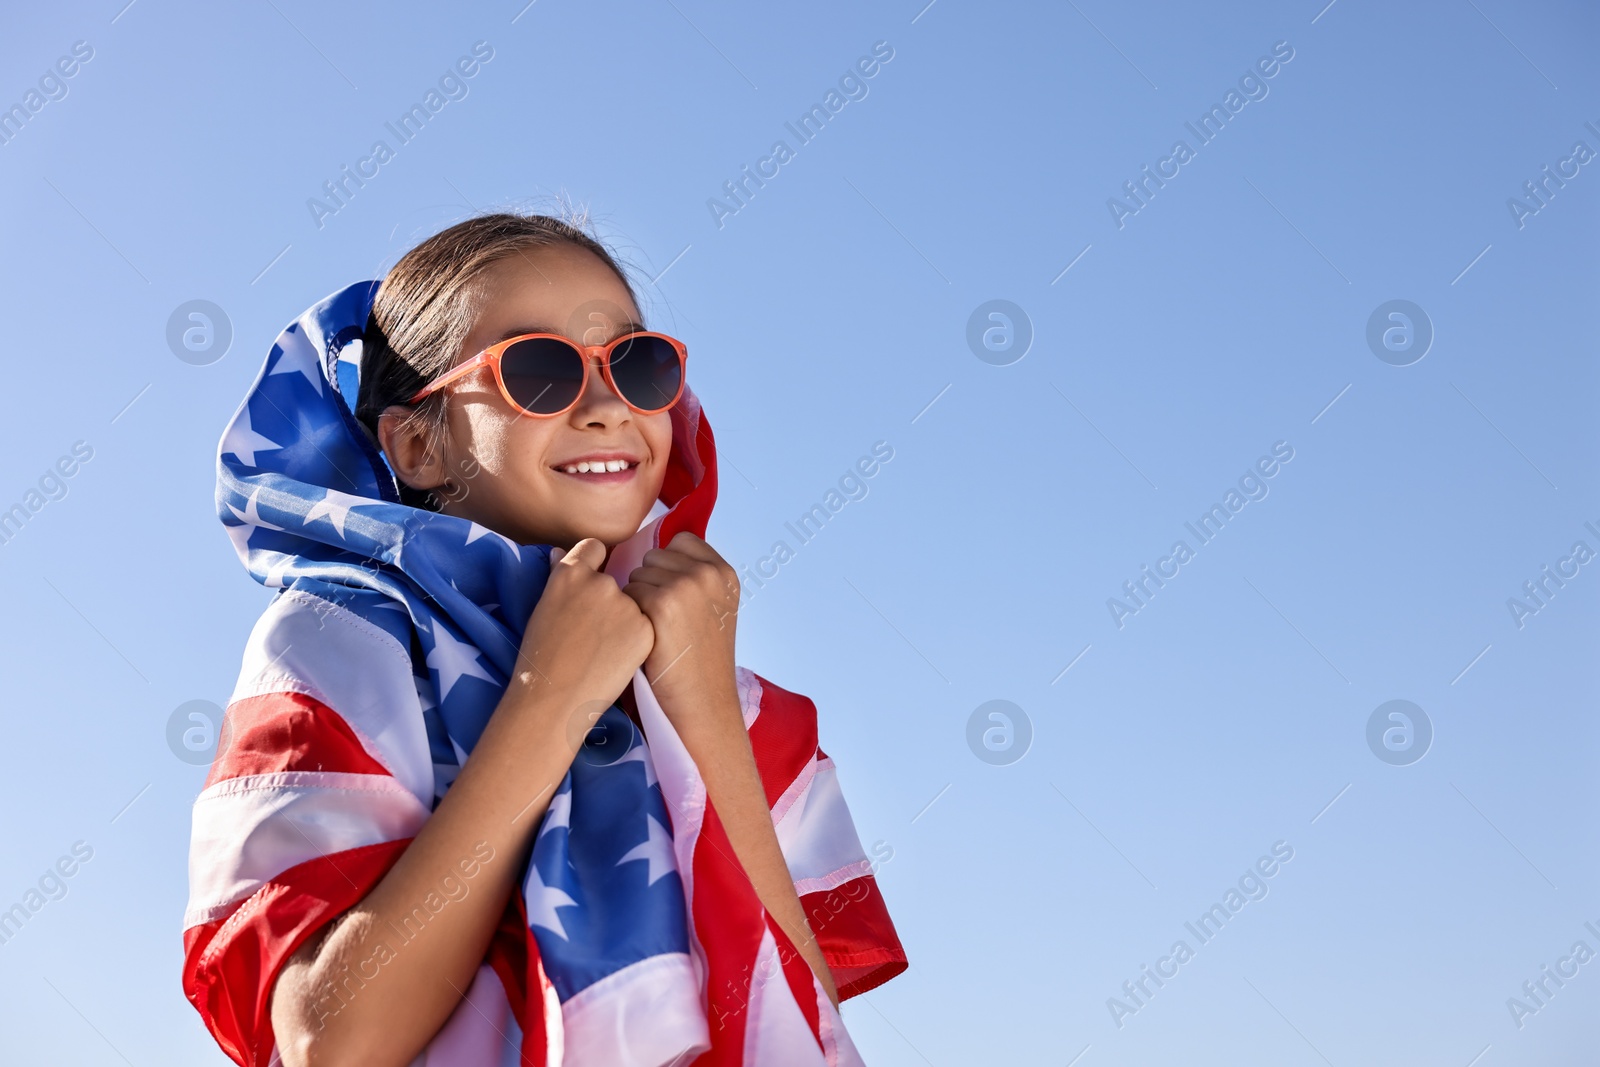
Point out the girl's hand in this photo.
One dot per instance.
(690, 594)
(584, 639)
(692, 599)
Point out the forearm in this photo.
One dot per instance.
(388, 973)
(733, 782)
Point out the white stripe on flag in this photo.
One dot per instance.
(646, 1015)
(837, 1046)
(749, 687)
(482, 1029)
(817, 835)
(776, 1032)
(305, 644)
(248, 830)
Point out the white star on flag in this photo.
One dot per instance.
(278, 568)
(543, 900)
(454, 660)
(336, 508)
(656, 849)
(476, 531)
(559, 814)
(637, 752)
(299, 360)
(250, 515)
(243, 441)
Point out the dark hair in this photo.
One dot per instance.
(425, 307)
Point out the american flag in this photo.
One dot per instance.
(637, 939)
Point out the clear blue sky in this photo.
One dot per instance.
(1227, 313)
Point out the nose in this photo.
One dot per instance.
(599, 404)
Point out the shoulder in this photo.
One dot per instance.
(339, 659)
(329, 630)
(361, 612)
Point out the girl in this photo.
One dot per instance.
(480, 488)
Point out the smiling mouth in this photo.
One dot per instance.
(600, 472)
(599, 466)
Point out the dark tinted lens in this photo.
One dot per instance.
(543, 375)
(646, 371)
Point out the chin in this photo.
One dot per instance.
(609, 534)
(615, 535)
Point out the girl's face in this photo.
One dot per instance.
(509, 469)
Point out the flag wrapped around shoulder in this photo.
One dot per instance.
(636, 940)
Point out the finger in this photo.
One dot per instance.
(693, 547)
(672, 560)
(687, 544)
(590, 553)
(659, 577)
(642, 594)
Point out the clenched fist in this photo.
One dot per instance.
(584, 638)
(690, 594)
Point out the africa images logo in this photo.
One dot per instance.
(1252, 86)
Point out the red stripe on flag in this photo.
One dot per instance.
(230, 964)
(729, 922)
(287, 732)
(514, 955)
(858, 939)
(783, 737)
(797, 972)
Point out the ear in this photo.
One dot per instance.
(417, 460)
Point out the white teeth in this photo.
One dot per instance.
(597, 466)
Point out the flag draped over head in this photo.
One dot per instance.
(636, 939)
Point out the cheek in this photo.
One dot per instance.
(657, 431)
(494, 443)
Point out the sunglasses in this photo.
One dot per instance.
(544, 374)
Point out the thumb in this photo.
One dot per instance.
(590, 553)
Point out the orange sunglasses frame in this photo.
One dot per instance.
(496, 352)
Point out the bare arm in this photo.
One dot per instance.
(374, 989)
(370, 990)
(721, 751)
(691, 596)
